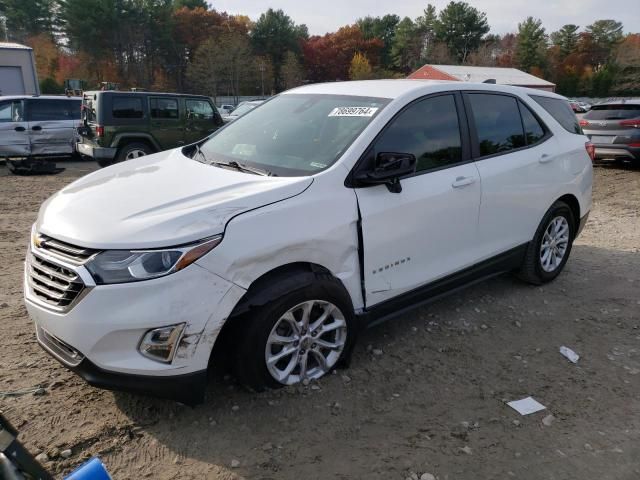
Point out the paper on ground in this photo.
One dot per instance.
(526, 406)
(570, 354)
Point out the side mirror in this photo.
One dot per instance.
(388, 169)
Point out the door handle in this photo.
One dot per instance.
(19, 129)
(545, 158)
(37, 128)
(463, 182)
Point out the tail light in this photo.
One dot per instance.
(634, 145)
(584, 123)
(99, 131)
(635, 123)
(591, 150)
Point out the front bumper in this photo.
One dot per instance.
(99, 153)
(98, 336)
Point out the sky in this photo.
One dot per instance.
(322, 16)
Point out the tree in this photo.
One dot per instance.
(26, 18)
(328, 57)
(407, 45)
(360, 68)
(531, 44)
(627, 59)
(292, 71)
(566, 38)
(220, 64)
(383, 28)
(274, 34)
(426, 29)
(605, 35)
(461, 27)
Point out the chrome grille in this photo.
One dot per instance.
(53, 284)
(63, 250)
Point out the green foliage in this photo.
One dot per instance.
(605, 35)
(602, 81)
(274, 34)
(461, 27)
(48, 86)
(566, 38)
(531, 44)
(383, 28)
(26, 18)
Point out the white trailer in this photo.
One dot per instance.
(17, 70)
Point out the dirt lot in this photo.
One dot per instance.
(433, 401)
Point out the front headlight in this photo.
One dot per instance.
(121, 266)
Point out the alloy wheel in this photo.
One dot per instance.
(135, 153)
(306, 342)
(555, 243)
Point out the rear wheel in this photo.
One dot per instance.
(131, 151)
(296, 338)
(549, 250)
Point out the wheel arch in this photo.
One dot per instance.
(121, 140)
(263, 289)
(574, 205)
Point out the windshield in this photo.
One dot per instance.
(613, 112)
(294, 134)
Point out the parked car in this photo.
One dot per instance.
(38, 126)
(226, 109)
(241, 109)
(119, 126)
(614, 129)
(577, 108)
(273, 242)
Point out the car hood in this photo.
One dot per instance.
(161, 200)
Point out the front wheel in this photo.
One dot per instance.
(549, 250)
(296, 338)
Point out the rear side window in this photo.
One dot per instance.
(199, 110)
(43, 110)
(429, 130)
(11, 112)
(533, 129)
(561, 111)
(498, 123)
(164, 108)
(127, 107)
(613, 112)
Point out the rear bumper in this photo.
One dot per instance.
(619, 151)
(99, 153)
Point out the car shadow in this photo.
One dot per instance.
(418, 386)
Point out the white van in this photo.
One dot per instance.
(275, 240)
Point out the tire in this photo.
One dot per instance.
(132, 150)
(103, 162)
(265, 321)
(538, 268)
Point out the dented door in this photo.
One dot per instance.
(14, 137)
(52, 125)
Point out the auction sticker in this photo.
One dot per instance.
(353, 112)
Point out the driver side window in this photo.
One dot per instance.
(429, 129)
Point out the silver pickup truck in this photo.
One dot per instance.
(38, 126)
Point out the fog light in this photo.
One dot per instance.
(161, 343)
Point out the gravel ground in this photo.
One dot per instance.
(425, 393)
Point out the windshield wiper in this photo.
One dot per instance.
(242, 168)
(232, 164)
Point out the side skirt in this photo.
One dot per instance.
(505, 262)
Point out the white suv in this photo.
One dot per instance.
(275, 240)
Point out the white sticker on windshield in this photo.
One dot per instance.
(353, 112)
